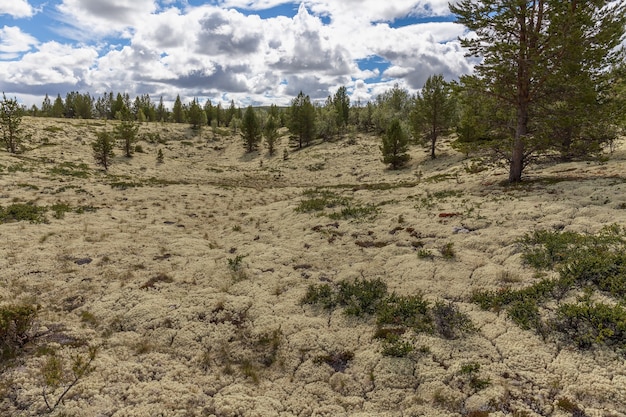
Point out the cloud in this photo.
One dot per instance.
(13, 42)
(162, 47)
(97, 18)
(16, 8)
(53, 67)
(228, 32)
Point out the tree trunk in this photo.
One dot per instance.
(433, 142)
(517, 153)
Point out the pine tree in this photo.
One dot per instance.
(103, 149)
(433, 112)
(196, 115)
(10, 120)
(58, 107)
(161, 111)
(126, 131)
(302, 119)
(46, 107)
(528, 48)
(270, 131)
(178, 114)
(341, 101)
(395, 145)
(250, 129)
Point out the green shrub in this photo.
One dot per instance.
(362, 296)
(320, 294)
(16, 322)
(397, 348)
(447, 251)
(544, 249)
(525, 313)
(22, 212)
(60, 209)
(234, 264)
(354, 212)
(449, 321)
(406, 311)
(70, 169)
(606, 271)
(318, 200)
(587, 323)
(470, 371)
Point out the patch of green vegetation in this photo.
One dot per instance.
(319, 166)
(411, 312)
(322, 295)
(440, 178)
(53, 129)
(60, 209)
(320, 199)
(22, 212)
(394, 314)
(354, 212)
(152, 181)
(471, 372)
(430, 199)
(15, 325)
(28, 186)
(19, 167)
(587, 323)
(361, 297)
(334, 206)
(378, 186)
(76, 188)
(70, 169)
(339, 361)
(124, 185)
(449, 321)
(153, 137)
(397, 348)
(591, 264)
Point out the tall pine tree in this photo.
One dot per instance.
(525, 48)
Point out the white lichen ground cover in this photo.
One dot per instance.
(198, 266)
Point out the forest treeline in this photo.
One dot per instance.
(551, 81)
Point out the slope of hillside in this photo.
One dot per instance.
(188, 276)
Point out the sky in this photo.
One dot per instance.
(255, 52)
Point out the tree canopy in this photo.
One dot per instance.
(528, 48)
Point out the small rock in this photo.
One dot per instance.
(83, 261)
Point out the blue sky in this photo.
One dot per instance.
(250, 51)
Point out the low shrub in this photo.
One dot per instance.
(22, 212)
(449, 321)
(361, 296)
(16, 322)
(587, 323)
(406, 311)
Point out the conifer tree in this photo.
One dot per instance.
(178, 113)
(433, 112)
(529, 48)
(250, 129)
(395, 145)
(10, 120)
(270, 131)
(126, 131)
(302, 119)
(103, 149)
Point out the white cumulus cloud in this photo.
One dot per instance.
(16, 8)
(13, 42)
